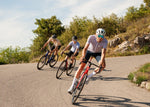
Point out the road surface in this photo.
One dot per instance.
(22, 85)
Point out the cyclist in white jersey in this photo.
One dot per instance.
(74, 51)
(95, 47)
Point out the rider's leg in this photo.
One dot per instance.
(78, 72)
(98, 58)
(75, 79)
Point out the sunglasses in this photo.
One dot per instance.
(100, 36)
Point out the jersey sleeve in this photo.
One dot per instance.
(78, 46)
(88, 40)
(70, 44)
(105, 44)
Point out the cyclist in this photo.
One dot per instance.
(56, 44)
(95, 47)
(74, 51)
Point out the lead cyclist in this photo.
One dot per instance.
(95, 46)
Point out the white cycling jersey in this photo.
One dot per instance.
(94, 46)
(74, 46)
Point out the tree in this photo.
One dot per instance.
(147, 2)
(46, 27)
(131, 14)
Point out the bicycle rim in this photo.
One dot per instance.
(41, 62)
(53, 61)
(61, 69)
(77, 90)
(69, 71)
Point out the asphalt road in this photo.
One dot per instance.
(22, 85)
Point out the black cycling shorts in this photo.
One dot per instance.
(53, 47)
(71, 53)
(97, 56)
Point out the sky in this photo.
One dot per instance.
(17, 17)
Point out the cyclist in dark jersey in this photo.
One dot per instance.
(95, 47)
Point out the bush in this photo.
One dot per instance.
(131, 76)
(143, 74)
(17, 55)
(141, 79)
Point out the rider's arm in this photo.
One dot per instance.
(102, 57)
(77, 49)
(66, 48)
(84, 50)
(46, 43)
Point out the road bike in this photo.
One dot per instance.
(65, 67)
(47, 59)
(79, 86)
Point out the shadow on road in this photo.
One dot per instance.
(108, 101)
(99, 77)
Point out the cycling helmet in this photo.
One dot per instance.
(74, 38)
(54, 36)
(100, 31)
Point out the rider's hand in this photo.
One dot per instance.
(42, 49)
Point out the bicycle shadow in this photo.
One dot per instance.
(107, 101)
(99, 77)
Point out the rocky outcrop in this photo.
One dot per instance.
(142, 40)
(114, 42)
(145, 84)
(124, 46)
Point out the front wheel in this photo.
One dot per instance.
(53, 61)
(68, 72)
(41, 62)
(61, 69)
(77, 90)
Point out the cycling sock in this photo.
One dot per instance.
(74, 81)
(93, 73)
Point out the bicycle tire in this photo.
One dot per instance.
(77, 91)
(53, 61)
(41, 62)
(69, 71)
(61, 69)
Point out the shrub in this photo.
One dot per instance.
(131, 76)
(141, 79)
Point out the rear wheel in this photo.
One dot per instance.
(68, 72)
(41, 62)
(78, 90)
(53, 60)
(61, 69)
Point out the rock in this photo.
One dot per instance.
(134, 79)
(148, 85)
(139, 41)
(143, 84)
(147, 37)
(125, 44)
(114, 42)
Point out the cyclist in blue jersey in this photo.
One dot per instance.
(95, 47)
(74, 51)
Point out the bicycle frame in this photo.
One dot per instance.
(86, 71)
(47, 55)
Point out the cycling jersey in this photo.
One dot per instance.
(94, 46)
(74, 46)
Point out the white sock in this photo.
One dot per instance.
(73, 82)
(93, 73)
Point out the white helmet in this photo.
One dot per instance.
(100, 31)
